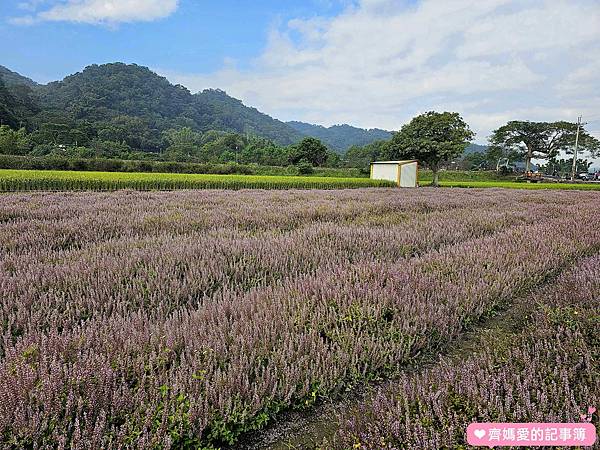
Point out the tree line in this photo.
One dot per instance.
(180, 145)
(435, 139)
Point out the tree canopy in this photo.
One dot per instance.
(362, 157)
(310, 150)
(542, 140)
(431, 138)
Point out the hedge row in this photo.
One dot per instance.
(119, 165)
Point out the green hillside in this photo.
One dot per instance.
(341, 137)
(120, 95)
(136, 106)
(11, 78)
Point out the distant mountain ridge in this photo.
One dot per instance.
(107, 92)
(111, 92)
(341, 137)
(476, 148)
(11, 78)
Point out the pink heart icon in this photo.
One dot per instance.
(591, 410)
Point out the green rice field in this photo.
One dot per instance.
(53, 180)
(57, 180)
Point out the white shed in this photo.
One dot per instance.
(403, 173)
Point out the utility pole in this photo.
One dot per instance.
(575, 153)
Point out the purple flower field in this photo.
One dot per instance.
(550, 372)
(185, 319)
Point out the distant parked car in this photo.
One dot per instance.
(547, 177)
(584, 176)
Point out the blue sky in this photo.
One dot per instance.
(197, 37)
(369, 63)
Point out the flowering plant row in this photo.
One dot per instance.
(185, 319)
(547, 373)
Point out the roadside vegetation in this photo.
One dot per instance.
(521, 185)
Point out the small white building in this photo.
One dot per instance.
(403, 173)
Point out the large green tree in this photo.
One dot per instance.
(432, 138)
(543, 140)
(311, 150)
(14, 142)
(183, 143)
(362, 157)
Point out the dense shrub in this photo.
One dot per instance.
(304, 167)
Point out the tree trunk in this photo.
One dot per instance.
(436, 177)
(528, 159)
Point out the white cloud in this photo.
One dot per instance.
(547, 25)
(97, 11)
(31, 5)
(381, 62)
(23, 20)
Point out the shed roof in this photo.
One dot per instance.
(395, 162)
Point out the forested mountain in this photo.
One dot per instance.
(18, 103)
(131, 105)
(229, 113)
(17, 98)
(11, 78)
(128, 112)
(476, 148)
(7, 106)
(341, 137)
(120, 95)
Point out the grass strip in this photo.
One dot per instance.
(521, 185)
